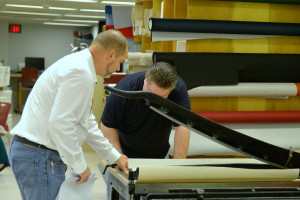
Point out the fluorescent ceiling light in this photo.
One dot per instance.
(65, 24)
(118, 2)
(60, 8)
(41, 19)
(72, 20)
(23, 18)
(91, 10)
(23, 6)
(85, 16)
(30, 13)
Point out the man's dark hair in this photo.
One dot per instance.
(163, 74)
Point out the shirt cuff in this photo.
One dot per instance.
(113, 156)
(79, 167)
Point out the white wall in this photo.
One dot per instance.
(4, 42)
(50, 42)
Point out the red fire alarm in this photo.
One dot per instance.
(14, 28)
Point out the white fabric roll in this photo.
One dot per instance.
(186, 170)
(137, 19)
(139, 59)
(246, 90)
(168, 36)
(285, 135)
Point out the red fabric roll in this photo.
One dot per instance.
(251, 116)
(114, 78)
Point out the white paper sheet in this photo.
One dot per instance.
(69, 190)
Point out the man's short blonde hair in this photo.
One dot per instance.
(163, 74)
(112, 40)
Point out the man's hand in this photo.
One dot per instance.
(84, 176)
(122, 163)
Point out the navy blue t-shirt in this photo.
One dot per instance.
(143, 133)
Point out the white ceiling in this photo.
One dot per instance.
(75, 17)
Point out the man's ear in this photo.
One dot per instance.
(111, 55)
(145, 85)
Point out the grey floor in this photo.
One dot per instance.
(9, 189)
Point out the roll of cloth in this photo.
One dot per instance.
(137, 19)
(247, 90)
(139, 59)
(202, 170)
(163, 29)
(285, 135)
(114, 78)
(202, 69)
(268, 1)
(251, 116)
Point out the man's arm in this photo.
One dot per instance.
(112, 135)
(181, 142)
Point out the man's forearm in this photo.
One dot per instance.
(181, 142)
(112, 135)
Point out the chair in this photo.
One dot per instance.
(4, 111)
(27, 81)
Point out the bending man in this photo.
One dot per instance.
(136, 130)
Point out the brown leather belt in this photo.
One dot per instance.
(30, 143)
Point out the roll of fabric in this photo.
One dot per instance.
(208, 170)
(202, 69)
(137, 19)
(139, 59)
(251, 116)
(163, 29)
(285, 135)
(114, 78)
(268, 1)
(247, 90)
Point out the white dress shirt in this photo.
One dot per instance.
(58, 112)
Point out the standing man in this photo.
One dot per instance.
(136, 130)
(57, 118)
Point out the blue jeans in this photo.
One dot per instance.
(38, 172)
